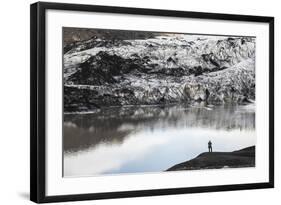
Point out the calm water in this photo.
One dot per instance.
(151, 139)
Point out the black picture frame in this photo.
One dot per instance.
(38, 101)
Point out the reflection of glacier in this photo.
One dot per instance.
(113, 125)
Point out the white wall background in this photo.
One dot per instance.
(14, 101)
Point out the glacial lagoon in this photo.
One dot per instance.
(117, 140)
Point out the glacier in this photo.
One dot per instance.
(160, 70)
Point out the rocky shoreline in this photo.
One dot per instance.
(217, 160)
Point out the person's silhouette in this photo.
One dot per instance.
(210, 146)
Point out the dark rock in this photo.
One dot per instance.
(78, 99)
(101, 69)
(170, 59)
(215, 160)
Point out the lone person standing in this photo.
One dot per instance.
(210, 146)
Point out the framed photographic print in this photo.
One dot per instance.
(129, 102)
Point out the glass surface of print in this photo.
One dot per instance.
(141, 101)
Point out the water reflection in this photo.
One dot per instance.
(147, 139)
